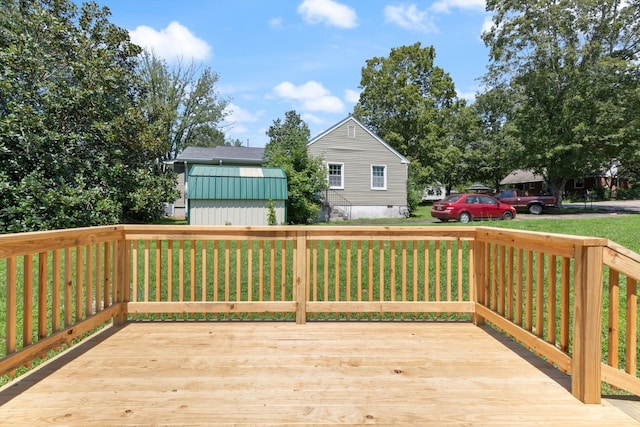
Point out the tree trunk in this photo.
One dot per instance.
(556, 186)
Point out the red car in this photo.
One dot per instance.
(467, 207)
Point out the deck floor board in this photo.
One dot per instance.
(320, 373)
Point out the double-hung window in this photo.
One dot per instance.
(335, 175)
(378, 177)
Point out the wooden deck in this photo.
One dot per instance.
(320, 373)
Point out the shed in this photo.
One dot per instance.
(235, 195)
(220, 155)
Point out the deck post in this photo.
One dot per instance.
(301, 277)
(587, 352)
(479, 277)
(122, 279)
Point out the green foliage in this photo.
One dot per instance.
(412, 105)
(182, 109)
(287, 149)
(74, 145)
(628, 194)
(496, 151)
(414, 195)
(571, 67)
(271, 218)
(149, 191)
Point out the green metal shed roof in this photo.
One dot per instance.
(209, 182)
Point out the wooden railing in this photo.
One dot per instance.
(549, 292)
(567, 298)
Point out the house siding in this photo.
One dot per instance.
(180, 204)
(358, 155)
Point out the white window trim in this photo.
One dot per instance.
(384, 187)
(351, 131)
(336, 187)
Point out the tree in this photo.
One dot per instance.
(410, 103)
(572, 68)
(75, 149)
(183, 110)
(496, 149)
(306, 176)
(458, 156)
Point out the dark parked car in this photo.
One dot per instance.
(467, 207)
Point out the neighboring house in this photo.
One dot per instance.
(367, 178)
(534, 184)
(221, 155)
(236, 195)
(530, 183)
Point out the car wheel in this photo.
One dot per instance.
(464, 217)
(507, 216)
(535, 209)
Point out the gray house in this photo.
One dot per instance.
(221, 155)
(367, 178)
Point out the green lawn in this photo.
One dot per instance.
(622, 229)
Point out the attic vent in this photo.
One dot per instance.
(251, 173)
(351, 131)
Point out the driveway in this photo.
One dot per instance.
(618, 206)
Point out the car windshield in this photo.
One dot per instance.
(453, 198)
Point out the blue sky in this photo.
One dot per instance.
(273, 56)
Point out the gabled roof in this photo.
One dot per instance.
(222, 154)
(356, 121)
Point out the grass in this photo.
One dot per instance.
(622, 229)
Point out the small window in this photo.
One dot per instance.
(378, 177)
(578, 183)
(335, 175)
(351, 131)
(487, 200)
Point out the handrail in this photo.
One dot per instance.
(336, 200)
(621, 365)
(539, 288)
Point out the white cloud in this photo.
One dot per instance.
(328, 12)
(233, 124)
(445, 6)
(275, 23)
(410, 18)
(312, 96)
(176, 42)
(311, 118)
(308, 90)
(238, 114)
(487, 25)
(352, 96)
(469, 95)
(329, 104)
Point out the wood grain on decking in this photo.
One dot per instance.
(320, 373)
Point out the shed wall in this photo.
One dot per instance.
(234, 212)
